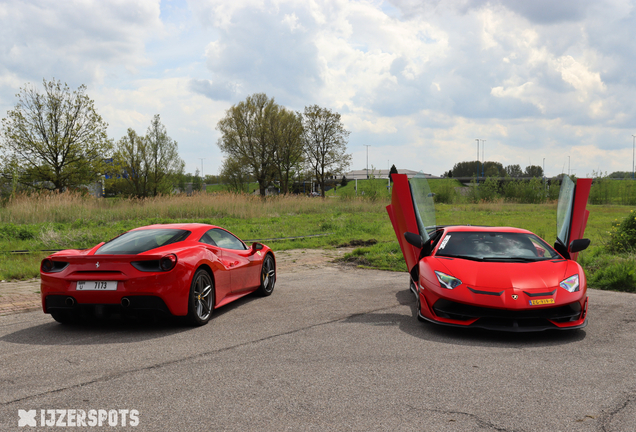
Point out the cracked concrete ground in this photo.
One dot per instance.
(334, 348)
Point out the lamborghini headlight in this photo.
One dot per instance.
(447, 281)
(571, 284)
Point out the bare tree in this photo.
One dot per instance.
(325, 142)
(245, 136)
(55, 139)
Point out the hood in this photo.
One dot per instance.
(498, 275)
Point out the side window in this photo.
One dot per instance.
(207, 239)
(224, 239)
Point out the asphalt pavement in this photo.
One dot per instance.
(334, 348)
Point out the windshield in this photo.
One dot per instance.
(135, 242)
(495, 246)
(424, 206)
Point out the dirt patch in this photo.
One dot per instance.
(296, 260)
(359, 243)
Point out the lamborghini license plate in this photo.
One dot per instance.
(96, 286)
(541, 302)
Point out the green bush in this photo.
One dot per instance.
(445, 192)
(17, 232)
(622, 236)
(617, 275)
(525, 191)
(489, 190)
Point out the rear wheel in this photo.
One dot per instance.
(268, 276)
(201, 299)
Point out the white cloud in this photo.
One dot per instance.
(418, 80)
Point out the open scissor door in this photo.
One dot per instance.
(412, 210)
(572, 215)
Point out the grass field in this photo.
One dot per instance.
(74, 221)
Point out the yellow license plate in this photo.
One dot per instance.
(541, 302)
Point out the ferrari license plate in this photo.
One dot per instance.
(541, 302)
(96, 286)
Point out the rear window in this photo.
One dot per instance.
(135, 242)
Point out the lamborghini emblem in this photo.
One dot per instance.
(515, 296)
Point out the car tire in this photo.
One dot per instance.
(201, 298)
(268, 276)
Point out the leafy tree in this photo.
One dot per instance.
(533, 171)
(475, 169)
(325, 142)
(163, 154)
(150, 165)
(235, 175)
(245, 138)
(514, 171)
(392, 171)
(621, 174)
(130, 165)
(467, 169)
(53, 139)
(211, 179)
(285, 130)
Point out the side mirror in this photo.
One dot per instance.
(414, 239)
(578, 245)
(257, 246)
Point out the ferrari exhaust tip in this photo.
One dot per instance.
(70, 301)
(125, 302)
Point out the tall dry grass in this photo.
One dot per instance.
(69, 207)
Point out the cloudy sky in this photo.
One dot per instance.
(417, 80)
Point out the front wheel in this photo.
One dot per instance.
(268, 276)
(201, 298)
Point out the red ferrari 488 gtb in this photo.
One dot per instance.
(182, 269)
(497, 278)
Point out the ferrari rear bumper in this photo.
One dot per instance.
(131, 303)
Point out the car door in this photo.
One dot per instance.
(223, 282)
(571, 214)
(412, 210)
(236, 257)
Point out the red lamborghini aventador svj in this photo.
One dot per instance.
(497, 278)
(179, 269)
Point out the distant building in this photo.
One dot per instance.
(383, 174)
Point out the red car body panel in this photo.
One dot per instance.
(235, 273)
(402, 215)
(509, 296)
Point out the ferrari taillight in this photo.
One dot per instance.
(50, 266)
(168, 262)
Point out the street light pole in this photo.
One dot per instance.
(477, 139)
(367, 146)
(483, 157)
(201, 167)
(633, 148)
